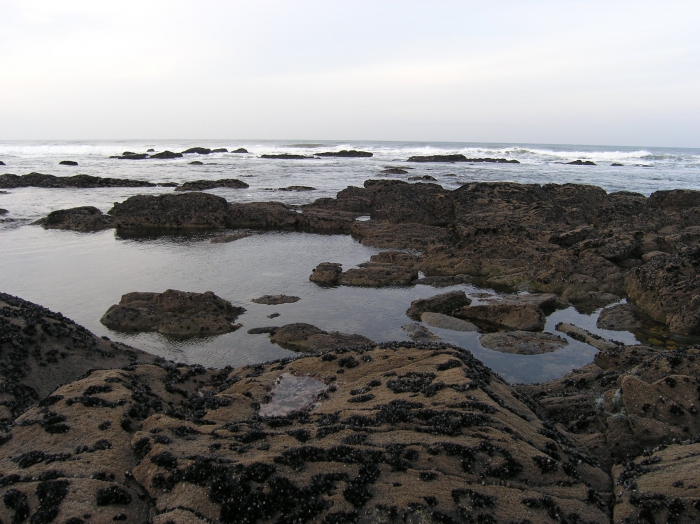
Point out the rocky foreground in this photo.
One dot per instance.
(397, 432)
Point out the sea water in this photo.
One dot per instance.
(82, 274)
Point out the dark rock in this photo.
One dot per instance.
(525, 317)
(347, 154)
(370, 274)
(287, 156)
(583, 335)
(273, 300)
(2, 163)
(523, 342)
(127, 155)
(171, 212)
(78, 181)
(297, 188)
(621, 317)
(3, 212)
(441, 281)
(616, 164)
(201, 185)
(85, 219)
(174, 313)
(167, 184)
(270, 330)
(166, 155)
(676, 199)
(446, 303)
(68, 163)
(220, 150)
(305, 337)
(151, 150)
(197, 150)
(240, 150)
(459, 158)
(393, 171)
(196, 163)
(581, 163)
(427, 178)
(326, 273)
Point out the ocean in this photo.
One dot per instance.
(82, 274)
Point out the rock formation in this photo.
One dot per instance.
(201, 185)
(8, 181)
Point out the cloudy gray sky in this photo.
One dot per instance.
(586, 72)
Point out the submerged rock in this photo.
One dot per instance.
(439, 320)
(67, 163)
(273, 300)
(446, 303)
(305, 337)
(426, 178)
(286, 156)
(223, 239)
(172, 312)
(201, 185)
(86, 218)
(393, 171)
(8, 181)
(523, 342)
(419, 333)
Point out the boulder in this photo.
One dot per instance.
(446, 303)
(621, 317)
(305, 337)
(86, 218)
(346, 154)
(171, 212)
(127, 155)
(419, 333)
(581, 163)
(166, 155)
(2, 163)
(583, 335)
(9, 181)
(326, 273)
(523, 342)
(273, 300)
(297, 188)
(220, 150)
(240, 150)
(196, 163)
(441, 321)
(287, 156)
(68, 163)
(3, 212)
(378, 275)
(197, 151)
(201, 185)
(175, 313)
(525, 317)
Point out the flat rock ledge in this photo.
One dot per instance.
(441, 321)
(174, 313)
(386, 432)
(273, 300)
(523, 342)
(583, 335)
(369, 274)
(446, 303)
(305, 337)
(201, 185)
(9, 181)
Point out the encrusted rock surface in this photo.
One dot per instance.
(305, 337)
(201, 185)
(621, 317)
(9, 181)
(394, 432)
(583, 335)
(273, 300)
(173, 312)
(525, 317)
(446, 303)
(369, 274)
(84, 219)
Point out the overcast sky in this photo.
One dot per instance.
(577, 72)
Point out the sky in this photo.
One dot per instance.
(568, 72)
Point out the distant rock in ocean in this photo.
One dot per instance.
(581, 163)
(286, 156)
(196, 150)
(347, 154)
(460, 158)
(67, 163)
(167, 155)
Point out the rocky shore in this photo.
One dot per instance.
(95, 431)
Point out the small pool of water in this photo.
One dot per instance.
(83, 274)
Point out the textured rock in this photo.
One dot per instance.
(346, 154)
(197, 151)
(85, 218)
(525, 317)
(621, 317)
(273, 300)
(8, 181)
(326, 273)
(172, 312)
(240, 150)
(523, 342)
(201, 185)
(287, 156)
(583, 335)
(166, 155)
(446, 303)
(419, 333)
(378, 275)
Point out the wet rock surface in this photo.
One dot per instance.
(442, 321)
(84, 219)
(621, 317)
(499, 314)
(201, 185)
(523, 342)
(175, 313)
(446, 303)
(583, 335)
(370, 274)
(8, 181)
(273, 300)
(367, 433)
(305, 337)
